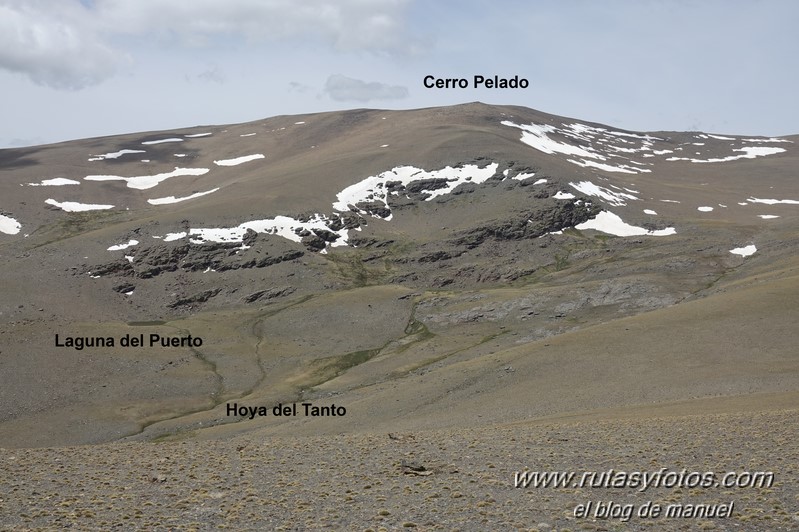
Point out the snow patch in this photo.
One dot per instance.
(148, 181)
(196, 135)
(284, 226)
(114, 155)
(535, 135)
(563, 195)
(373, 187)
(161, 141)
(767, 216)
(74, 206)
(9, 225)
(171, 237)
(613, 198)
(745, 251)
(119, 247)
(608, 222)
(623, 168)
(239, 160)
(650, 211)
(750, 152)
(173, 199)
(521, 176)
(55, 182)
(773, 201)
(704, 209)
(613, 143)
(772, 139)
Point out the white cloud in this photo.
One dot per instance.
(342, 88)
(296, 86)
(347, 24)
(212, 74)
(49, 42)
(69, 44)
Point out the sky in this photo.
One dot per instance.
(74, 69)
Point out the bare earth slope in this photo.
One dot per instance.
(471, 290)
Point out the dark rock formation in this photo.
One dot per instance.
(270, 293)
(201, 297)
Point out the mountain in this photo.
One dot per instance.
(461, 269)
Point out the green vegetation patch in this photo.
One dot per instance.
(327, 368)
(76, 223)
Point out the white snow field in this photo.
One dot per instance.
(373, 187)
(750, 152)
(161, 141)
(745, 251)
(239, 160)
(171, 237)
(114, 155)
(614, 143)
(55, 182)
(613, 198)
(124, 246)
(773, 201)
(74, 206)
(148, 181)
(173, 199)
(563, 195)
(608, 222)
(284, 226)
(589, 144)
(9, 225)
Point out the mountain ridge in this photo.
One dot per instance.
(473, 291)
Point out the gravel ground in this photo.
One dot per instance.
(427, 480)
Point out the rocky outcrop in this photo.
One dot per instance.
(374, 208)
(161, 258)
(118, 268)
(437, 256)
(530, 225)
(562, 216)
(262, 262)
(201, 297)
(270, 293)
(125, 288)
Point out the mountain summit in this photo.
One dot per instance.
(341, 253)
